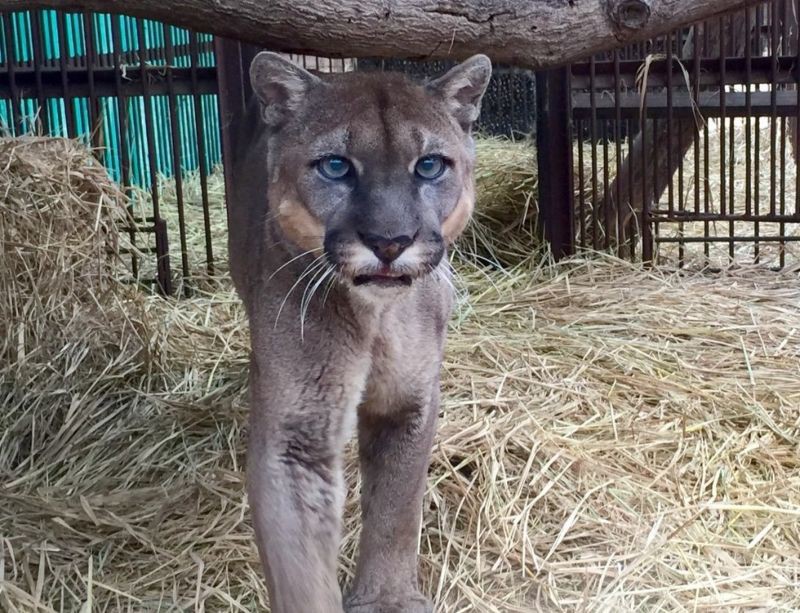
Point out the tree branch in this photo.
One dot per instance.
(532, 33)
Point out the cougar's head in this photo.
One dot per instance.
(372, 168)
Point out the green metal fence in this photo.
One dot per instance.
(62, 41)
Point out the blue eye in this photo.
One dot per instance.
(430, 167)
(333, 167)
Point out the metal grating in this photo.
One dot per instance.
(684, 147)
(143, 94)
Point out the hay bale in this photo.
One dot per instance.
(503, 228)
(58, 232)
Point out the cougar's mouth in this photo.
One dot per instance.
(384, 277)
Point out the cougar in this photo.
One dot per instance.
(347, 190)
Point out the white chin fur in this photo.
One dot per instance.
(410, 258)
(361, 259)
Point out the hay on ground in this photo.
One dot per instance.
(611, 439)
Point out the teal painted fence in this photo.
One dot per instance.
(20, 46)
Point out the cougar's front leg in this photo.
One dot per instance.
(395, 452)
(296, 492)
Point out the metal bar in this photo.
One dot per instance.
(647, 230)
(684, 105)
(696, 94)
(748, 121)
(593, 128)
(620, 221)
(38, 60)
(774, 119)
(162, 245)
(722, 114)
(727, 239)
(670, 124)
(177, 166)
(163, 274)
(231, 101)
(122, 133)
(732, 182)
(16, 114)
(94, 104)
(581, 187)
(633, 225)
(104, 79)
(201, 151)
(782, 230)
(735, 68)
(607, 212)
(690, 216)
(63, 52)
(553, 136)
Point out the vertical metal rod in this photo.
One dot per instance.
(177, 165)
(723, 110)
(230, 77)
(757, 152)
(201, 151)
(63, 52)
(647, 230)
(785, 16)
(633, 226)
(797, 118)
(706, 152)
(554, 143)
(731, 187)
(593, 128)
(122, 127)
(162, 244)
(696, 93)
(748, 120)
(581, 186)
(607, 212)
(94, 104)
(670, 126)
(774, 50)
(38, 62)
(16, 112)
(621, 214)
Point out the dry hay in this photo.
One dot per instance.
(503, 229)
(611, 439)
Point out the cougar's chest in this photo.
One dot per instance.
(404, 361)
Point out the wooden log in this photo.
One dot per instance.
(530, 34)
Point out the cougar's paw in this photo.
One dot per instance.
(413, 602)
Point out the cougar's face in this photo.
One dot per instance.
(371, 169)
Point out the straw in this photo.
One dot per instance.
(612, 438)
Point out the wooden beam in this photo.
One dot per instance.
(532, 34)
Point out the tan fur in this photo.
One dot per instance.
(454, 224)
(355, 331)
(299, 225)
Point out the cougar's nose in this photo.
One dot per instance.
(387, 250)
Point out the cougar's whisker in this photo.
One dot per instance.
(310, 269)
(331, 282)
(307, 301)
(294, 259)
(320, 272)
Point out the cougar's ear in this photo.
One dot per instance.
(280, 86)
(462, 88)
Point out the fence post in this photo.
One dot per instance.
(233, 63)
(554, 159)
